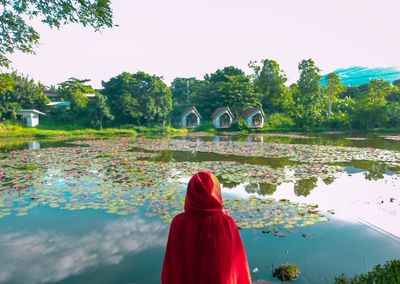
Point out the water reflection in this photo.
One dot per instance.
(47, 256)
(34, 145)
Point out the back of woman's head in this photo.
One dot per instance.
(203, 193)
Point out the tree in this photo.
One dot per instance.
(74, 91)
(184, 90)
(18, 91)
(227, 87)
(99, 112)
(16, 34)
(309, 100)
(138, 98)
(371, 110)
(269, 80)
(334, 87)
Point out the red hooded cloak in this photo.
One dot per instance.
(204, 244)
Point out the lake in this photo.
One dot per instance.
(98, 211)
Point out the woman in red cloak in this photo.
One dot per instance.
(204, 244)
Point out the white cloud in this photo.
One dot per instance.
(48, 256)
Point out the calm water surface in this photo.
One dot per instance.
(87, 224)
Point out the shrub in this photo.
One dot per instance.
(206, 127)
(388, 273)
(279, 121)
(238, 125)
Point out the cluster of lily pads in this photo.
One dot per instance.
(123, 176)
(302, 153)
(114, 176)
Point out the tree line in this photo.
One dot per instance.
(144, 99)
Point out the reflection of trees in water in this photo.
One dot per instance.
(261, 188)
(303, 187)
(267, 188)
(329, 180)
(375, 172)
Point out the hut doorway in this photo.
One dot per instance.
(225, 120)
(191, 120)
(257, 120)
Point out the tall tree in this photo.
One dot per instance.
(16, 34)
(334, 87)
(98, 112)
(307, 94)
(371, 108)
(184, 90)
(18, 91)
(74, 90)
(269, 80)
(138, 98)
(227, 87)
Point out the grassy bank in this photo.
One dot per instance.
(11, 130)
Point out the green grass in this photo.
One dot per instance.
(13, 130)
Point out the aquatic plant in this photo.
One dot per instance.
(286, 272)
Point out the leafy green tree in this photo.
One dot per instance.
(307, 94)
(6, 83)
(184, 90)
(18, 91)
(98, 112)
(138, 98)
(269, 80)
(227, 87)
(74, 91)
(16, 33)
(371, 111)
(333, 88)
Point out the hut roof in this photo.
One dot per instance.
(23, 111)
(252, 111)
(220, 111)
(188, 110)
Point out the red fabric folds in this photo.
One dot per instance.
(204, 245)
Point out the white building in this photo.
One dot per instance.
(254, 117)
(190, 118)
(30, 117)
(222, 117)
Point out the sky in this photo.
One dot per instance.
(189, 38)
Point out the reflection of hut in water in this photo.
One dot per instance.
(254, 117)
(190, 118)
(222, 139)
(34, 145)
(255, 138)
(222, 117)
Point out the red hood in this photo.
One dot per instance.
(203, 193)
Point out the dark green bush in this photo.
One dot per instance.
(388, 273)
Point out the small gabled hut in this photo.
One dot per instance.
(254, 117)
(29, 117)
(222, 117)
(190, 118)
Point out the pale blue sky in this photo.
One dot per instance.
(185, 38)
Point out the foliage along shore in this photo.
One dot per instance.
(11, 130)
(139, 98)
(15, 130)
